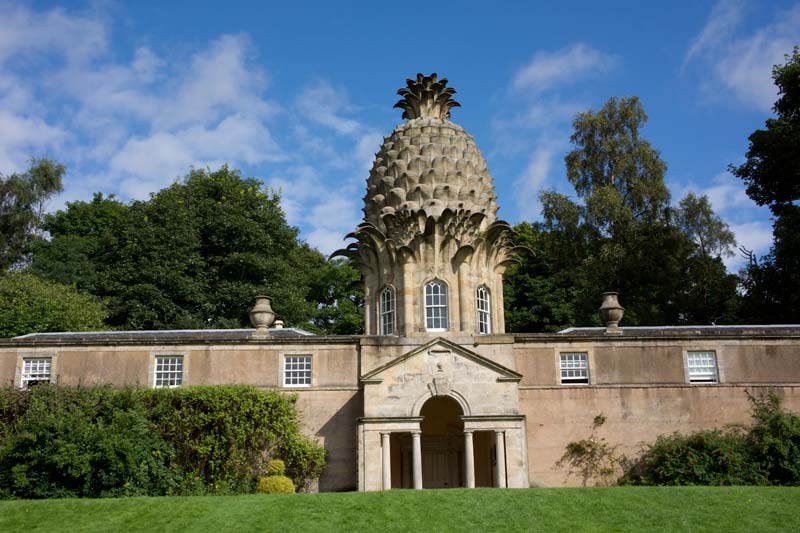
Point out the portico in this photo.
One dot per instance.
(441, 416)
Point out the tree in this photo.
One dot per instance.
(772, 284)
(618, 174)
(772, 174)
(700, 224)
(539, 296)
(29, 304)
(619, 234)
(771, 170)
(193, 256)
(22, 197)
(707, 293)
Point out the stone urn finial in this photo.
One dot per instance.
(262, 315)
(611, 312)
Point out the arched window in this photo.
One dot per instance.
(436, 306)
(484, 310)
(386, 311)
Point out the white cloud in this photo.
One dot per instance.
(23, 136)
(722, 22)
(220, 80)
(131, 124)
(27, 33)
(27, 38)
(756, 235)
(533, 179)
(323, 104)
(366, 147)
(726, 193)
(328, 214)
(549, 69)
(743, 63)
(334, 147)
(152, 161)
(539, 125)
(139, 122)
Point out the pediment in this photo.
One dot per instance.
(445, 349)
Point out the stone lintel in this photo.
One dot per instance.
(391, 424)
(493, 422)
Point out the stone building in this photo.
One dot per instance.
(436, 394)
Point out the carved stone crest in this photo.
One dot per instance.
(440, 386)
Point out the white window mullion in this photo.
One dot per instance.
(297, 371)
(484, 310)
(386, 307)
(574, 367)
(702, 366)
(36, 370)
(436, 315)
(168, 371)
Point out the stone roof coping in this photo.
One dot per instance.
(167, 335)
(659, 331)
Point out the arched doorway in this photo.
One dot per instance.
(442, 443)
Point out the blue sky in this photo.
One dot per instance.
(131, 95)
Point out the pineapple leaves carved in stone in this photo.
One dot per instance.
(426, 97)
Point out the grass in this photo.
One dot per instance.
(591, 509)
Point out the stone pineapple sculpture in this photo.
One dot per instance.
(430, 211)
(427, 164)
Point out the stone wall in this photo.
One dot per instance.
(639, 383)
(329, 408)
(634, 415)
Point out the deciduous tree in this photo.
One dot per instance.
(772, 174)
(619, 234)
(22, 197)
(29, 304)
(194, 256)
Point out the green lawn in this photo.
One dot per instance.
(594, 509)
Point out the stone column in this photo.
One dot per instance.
(368, 308)
(462, 303)
(417, 458)
(500, 470)
(386, 461)
(410, 314)
(498, 311)
(469, 460)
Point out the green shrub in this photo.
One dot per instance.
(593, 459)
(276, 467)
(773, 440)
(66, 442)
(275, 485)
(765, 453)
(223, 434)
(703, 458)
(85, 442)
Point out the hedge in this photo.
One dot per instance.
(95, 442)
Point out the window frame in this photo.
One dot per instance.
(169, 374)
(484, 316)
(573, 380)
(444, 294)
(284, 377)
(698, 378)
(387, 315)
(25, 380)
